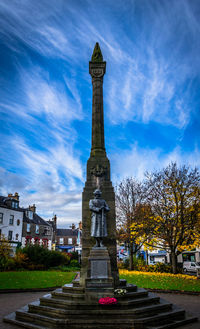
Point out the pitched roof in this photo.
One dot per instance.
(7, 205)
(66, 232)
(36, 219)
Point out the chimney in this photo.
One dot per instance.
(10, 195)
(16, 196)
(73, 226)
(80, 225)
(55, 219)
(33, 208)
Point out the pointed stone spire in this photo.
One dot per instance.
(97, 69)
(97, 54)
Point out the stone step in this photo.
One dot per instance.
(73, 289)
(37, 319)
(132, 294)
(129, 288)
(35, 307)
(76, 283)
(58, 293)
(47, 322)
(70, 304)
(74, 298)
(164, 318)
(175, 323)
(11, 318)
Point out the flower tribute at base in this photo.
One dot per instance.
(107, 301)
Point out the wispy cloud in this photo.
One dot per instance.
(153, 71)
(138, 160)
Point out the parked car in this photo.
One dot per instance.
(191, 266)
(122, 254)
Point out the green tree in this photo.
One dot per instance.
(5, 250)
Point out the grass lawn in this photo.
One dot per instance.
(34, 279)
(161, 280)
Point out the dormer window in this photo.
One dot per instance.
(29, 214)
(14, 204)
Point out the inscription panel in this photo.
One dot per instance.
(99, 269)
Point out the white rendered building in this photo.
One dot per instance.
(11, 220)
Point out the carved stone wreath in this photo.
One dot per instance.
(98, 171)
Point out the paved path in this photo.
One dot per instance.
(13, 301)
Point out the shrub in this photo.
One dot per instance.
(138, 263)
(67, 258)
(74, 263)
(73, 255)
(124, 264)
(21, 260)
(161, 268)
(9, 264)
(36, 267)
(42, 256)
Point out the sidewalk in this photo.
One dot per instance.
(12, 301)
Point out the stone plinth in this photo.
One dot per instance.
(99, 281)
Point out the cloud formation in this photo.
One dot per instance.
(151, 93)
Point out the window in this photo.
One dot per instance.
(1, 218)
(11, 221)
(47, 230)
(28, 228)
(29, 214)
(37, 229)
(18, 222)
(10, 233)
(61, 241)
(69, 240)
(14, 204)
(17, 236)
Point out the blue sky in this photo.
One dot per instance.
(151, 93)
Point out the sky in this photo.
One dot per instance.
(151, 94)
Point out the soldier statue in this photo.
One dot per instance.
(99, 207)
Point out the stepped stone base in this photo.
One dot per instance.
(70, 308)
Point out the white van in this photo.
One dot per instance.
(191, 266)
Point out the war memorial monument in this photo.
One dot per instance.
(76, 305)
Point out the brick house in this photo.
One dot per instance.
(35, 229)
(68, 239)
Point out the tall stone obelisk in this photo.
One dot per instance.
(98, 173)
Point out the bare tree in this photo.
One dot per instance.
(130, 212)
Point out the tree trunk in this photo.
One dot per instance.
(174, 262)
(131, 256)
(147, 257)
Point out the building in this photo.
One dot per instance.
(11, 220)
(53, 223)
(69, 239)
(36, 230)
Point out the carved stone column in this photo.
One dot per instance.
(98, 174)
